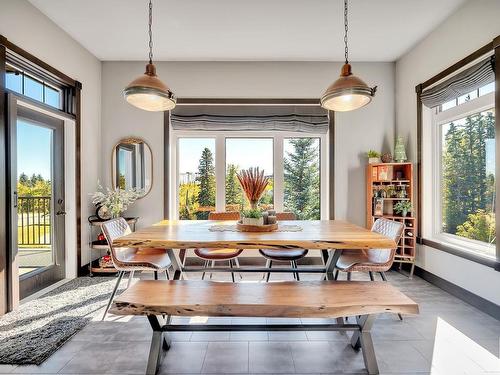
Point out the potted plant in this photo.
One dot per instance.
(252, 217)
(403, 207)
(115, 201)
(373, 156)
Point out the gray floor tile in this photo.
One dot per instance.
(210, 336)
(226, 358)
(249, 336)
(287, 336)
(270, 358)
(184, 357)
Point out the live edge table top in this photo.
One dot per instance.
(317, 234)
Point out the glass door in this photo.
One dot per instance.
(37, 185)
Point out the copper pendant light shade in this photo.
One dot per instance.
(348, 92)
(148, 92)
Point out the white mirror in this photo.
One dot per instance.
(132, 165)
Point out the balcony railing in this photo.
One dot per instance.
(34, 221)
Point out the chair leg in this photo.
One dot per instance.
(371, 275)
(130, 277)
(349, 274)
(156, 275)
(237, 264)
(167, 277)
(269, 273)
(212, 265)
(205, 265)
(112, 297)
(297, 268)
(336, 275)
(231, 266)
(293, 273)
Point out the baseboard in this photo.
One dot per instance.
(478, 302)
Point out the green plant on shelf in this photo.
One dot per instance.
(373, 154)
(252, 214)
(403, 208)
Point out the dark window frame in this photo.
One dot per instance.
(494, 46)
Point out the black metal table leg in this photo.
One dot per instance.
(362, 339)
(176, 267)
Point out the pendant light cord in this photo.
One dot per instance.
(346, 51)
(150, 32)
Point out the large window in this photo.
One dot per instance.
(244, 153)
(302, 177)
(465, 172)
(21, 82)
(196, 178)
(207, 164)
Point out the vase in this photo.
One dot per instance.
(404, 213)
(400, 151)
(252, 221)
(373, 160)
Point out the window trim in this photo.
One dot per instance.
(492, 46)
(445, 241)
(220, 165)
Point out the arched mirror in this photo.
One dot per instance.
(132, 165)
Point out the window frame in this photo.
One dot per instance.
(220, 165)
(468, 247)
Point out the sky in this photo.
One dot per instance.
(244, 152)
(34, 145)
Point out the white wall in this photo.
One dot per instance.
(356, 132)
(471, 27)
(27, 27)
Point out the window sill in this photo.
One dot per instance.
(455, 250)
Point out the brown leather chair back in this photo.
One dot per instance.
(388, 228)
(228, 215)
(112, 230)
(285, 216)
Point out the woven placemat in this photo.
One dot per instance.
(233, 228)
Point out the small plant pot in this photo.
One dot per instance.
(373, 160)
(404, 213)
(252, 221)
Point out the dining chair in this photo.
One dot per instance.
(288, 255)
(210, 256)
(127, 259)
(372, 260)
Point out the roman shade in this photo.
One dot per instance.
(462, 83)
(306, 119)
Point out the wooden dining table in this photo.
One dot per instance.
(327, 236)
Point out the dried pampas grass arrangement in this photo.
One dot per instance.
(253, 182)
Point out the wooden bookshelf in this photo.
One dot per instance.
(387, 184)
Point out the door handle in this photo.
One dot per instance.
(60, 213)
(16, 200)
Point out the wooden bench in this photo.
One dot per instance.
(322, 299)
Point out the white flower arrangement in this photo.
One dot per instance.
(115, 200)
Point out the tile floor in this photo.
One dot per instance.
(448, 337)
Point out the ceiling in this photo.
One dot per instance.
(238, 30)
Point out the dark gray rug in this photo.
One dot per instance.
(30, 334)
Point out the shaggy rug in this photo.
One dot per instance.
(30, 334)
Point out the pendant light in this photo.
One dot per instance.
(147, 92)
(348, 92)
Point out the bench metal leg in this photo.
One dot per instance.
(177, 264)
(159, 343)
(362, 339)
(269, 265)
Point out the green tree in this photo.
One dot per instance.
(206, 180)
(234, 194)
(301, 169)
(479, 226)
